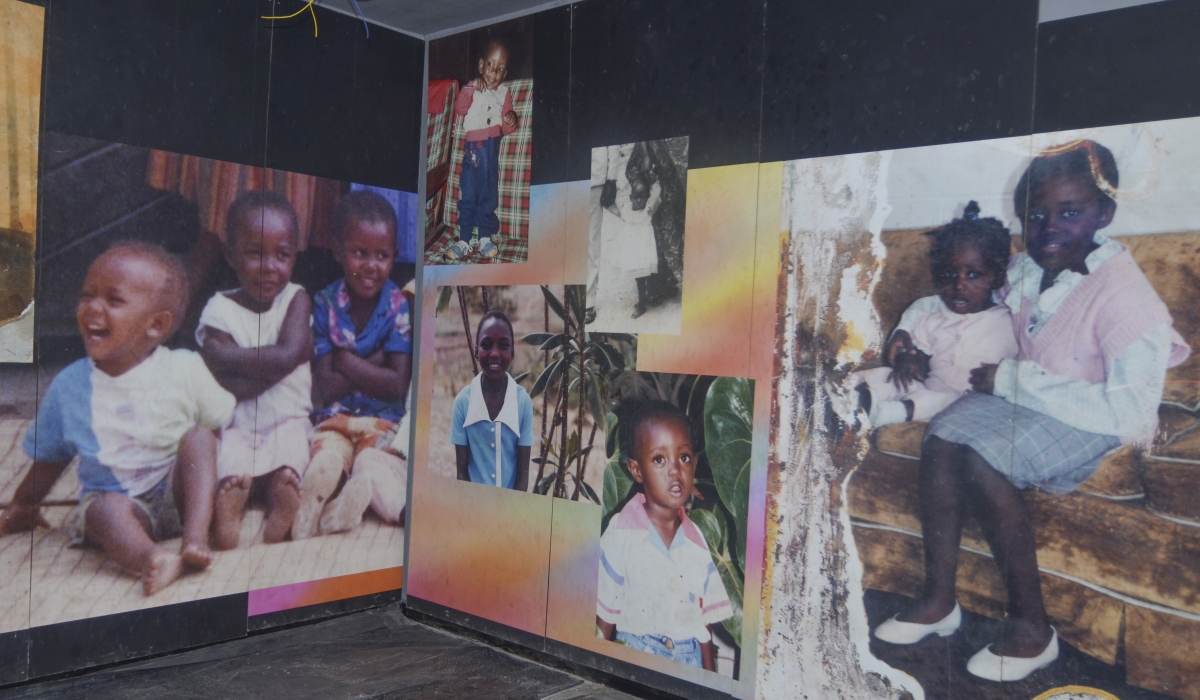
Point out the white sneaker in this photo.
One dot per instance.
(896, 632)
(992, 667)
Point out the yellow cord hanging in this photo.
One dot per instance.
(299, 12)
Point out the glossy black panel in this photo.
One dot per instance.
(651, 69)
(342, 105)
(175, 75)
(14, 656)
(551, 93)
(1131, 65)
(111, 638)
(844, 77)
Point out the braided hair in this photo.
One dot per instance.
(991, 236)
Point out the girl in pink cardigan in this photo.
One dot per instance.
(1095, 342)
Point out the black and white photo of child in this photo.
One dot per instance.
(635, 241)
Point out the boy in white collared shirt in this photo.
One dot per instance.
(492, 428)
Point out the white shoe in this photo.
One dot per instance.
(896, 632)
(991, 667)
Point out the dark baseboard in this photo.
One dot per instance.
(70, 647)
(624, 676)
(320, 611)
(14, 657)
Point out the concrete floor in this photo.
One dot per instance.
(373, 654)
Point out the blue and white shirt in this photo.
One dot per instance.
(126, 430)
(493, 443)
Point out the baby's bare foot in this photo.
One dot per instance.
(232, 493)
(196, 555)
(161, 571)
(284, 495)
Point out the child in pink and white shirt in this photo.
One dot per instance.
(659, 590)
(941, 338)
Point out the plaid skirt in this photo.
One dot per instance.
(1031, 449)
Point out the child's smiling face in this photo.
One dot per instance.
(1063, 217)
(494, 349)
(966, 280)
(263, 254)
(664, 462)
(494, 66)
(367, 254)
(120, 311)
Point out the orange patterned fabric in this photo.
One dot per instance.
(361, 431)
(212, 185)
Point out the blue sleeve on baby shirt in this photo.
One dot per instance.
(46, 439)
(525, 411)
(458, 432)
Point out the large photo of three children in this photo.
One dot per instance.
(226, 357)
(1028, 405)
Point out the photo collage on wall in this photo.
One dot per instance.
(197, 378)
(590, 441)
(1022, 313)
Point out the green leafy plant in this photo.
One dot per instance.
(721, 410)
(578, 367)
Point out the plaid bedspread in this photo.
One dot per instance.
(439, 129)
(513, 211)
(438, 144)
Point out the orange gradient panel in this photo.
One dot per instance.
(767, 247)
(718, 278)
(480, 549)
(731, 269)
(298, 595)
(558, 229)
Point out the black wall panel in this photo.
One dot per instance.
(104, 640)
(213, 79)
(174, 75)
(551, 93)
(878, 74)
(344, 106)
(1131, 65)
(650, 69)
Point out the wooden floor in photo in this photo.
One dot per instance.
(43, 580)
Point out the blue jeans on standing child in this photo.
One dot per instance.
(479, 181)
(684, 650)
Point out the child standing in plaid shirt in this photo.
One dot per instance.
(487, 110)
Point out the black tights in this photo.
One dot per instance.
(953, 478)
